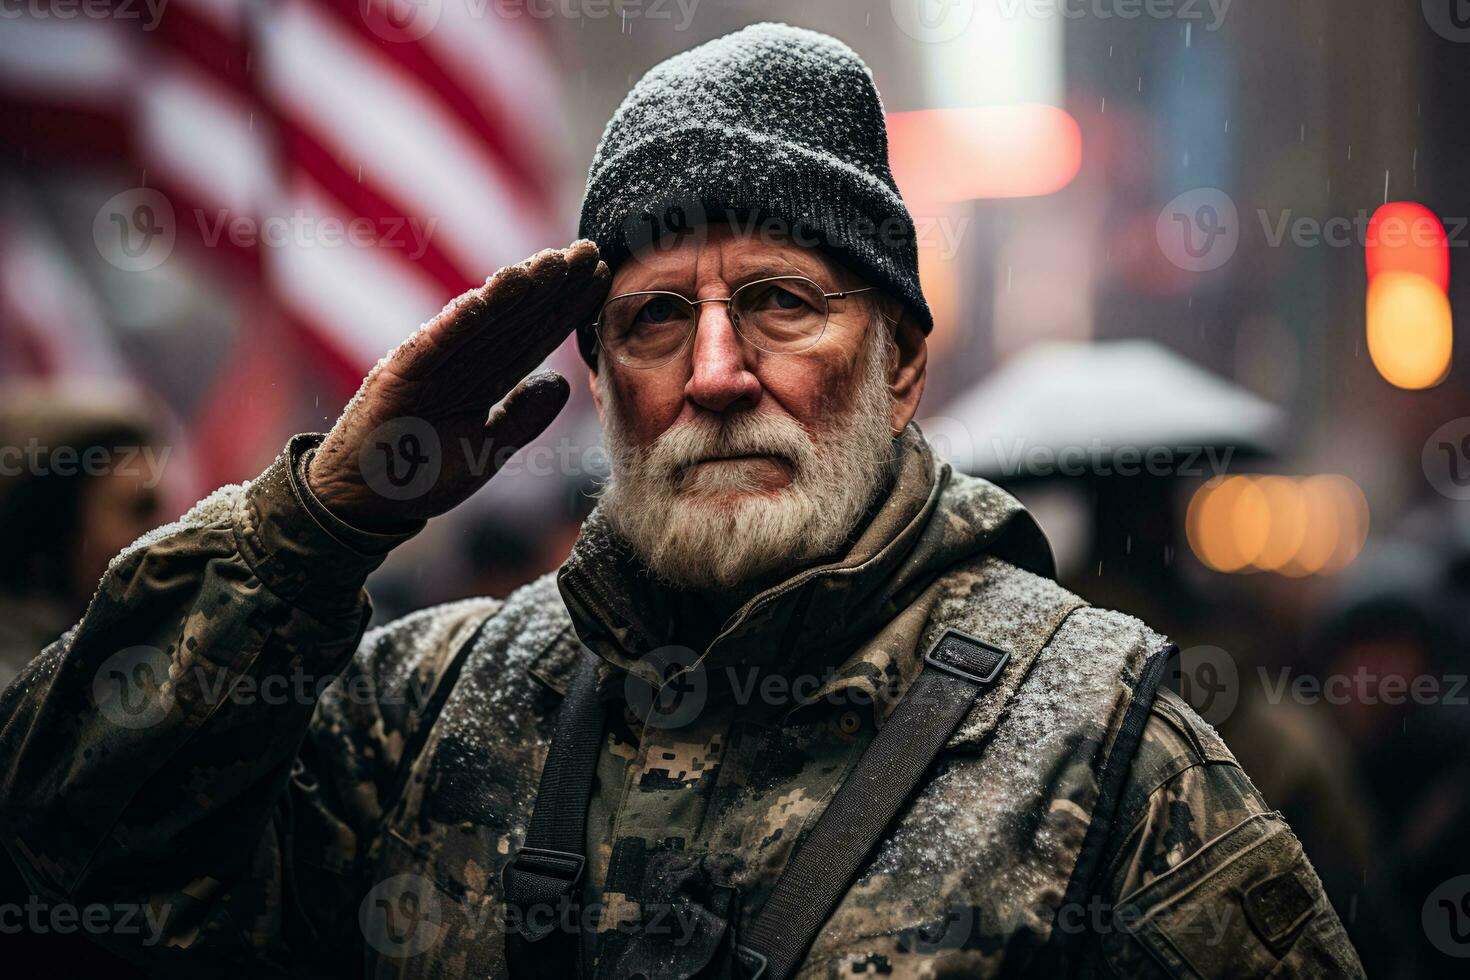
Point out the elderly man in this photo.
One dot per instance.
(802, 701)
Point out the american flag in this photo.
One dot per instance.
(346, 166)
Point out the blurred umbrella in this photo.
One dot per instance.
(1058, 409)
(1114, 426)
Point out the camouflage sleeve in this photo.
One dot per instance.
(1204, 879)
(163, 761)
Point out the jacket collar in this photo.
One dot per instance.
(928, 520)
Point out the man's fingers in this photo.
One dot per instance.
(525, 413)
(520, 284)
(541, 323)
(582, 257)
(515, 296)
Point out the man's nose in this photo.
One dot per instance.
(722, 379)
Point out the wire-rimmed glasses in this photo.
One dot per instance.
(779, 315)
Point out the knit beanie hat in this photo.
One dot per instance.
(774, 129)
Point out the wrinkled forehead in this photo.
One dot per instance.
(715, 253)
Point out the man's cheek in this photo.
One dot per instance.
(651, 406)
(812, 393)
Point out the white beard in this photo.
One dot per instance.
(711, 528)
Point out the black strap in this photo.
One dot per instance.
(957, 668)
(544, 877)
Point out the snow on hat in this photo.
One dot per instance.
(774, 129)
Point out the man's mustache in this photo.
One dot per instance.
(702, 440)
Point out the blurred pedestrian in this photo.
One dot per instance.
(79, 475)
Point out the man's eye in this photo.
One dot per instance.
(657, 310)
(777, 298)
(786, 300)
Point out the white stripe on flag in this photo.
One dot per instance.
(81, 60)
(193, 131)
(355, 101)
(369, 299)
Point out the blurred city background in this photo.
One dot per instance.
(1196, 267)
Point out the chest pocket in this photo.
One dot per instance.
(1247, 905)
(683, 927)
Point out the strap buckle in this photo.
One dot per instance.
(564, 866)
(539, 876)
(967, 657)
(752, 963)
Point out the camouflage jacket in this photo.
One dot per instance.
(218, 771)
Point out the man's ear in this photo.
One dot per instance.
(596, 393)
(906, 378)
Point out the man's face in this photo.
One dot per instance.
(730, 462)
(114, 509)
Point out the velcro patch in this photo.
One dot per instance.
(966, 656)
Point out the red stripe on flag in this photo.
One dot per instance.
(361, 197)
(416, 65)
(208, 47)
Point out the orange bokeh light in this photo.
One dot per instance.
(1289, 525)
(942, 156)
(1410, 329)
